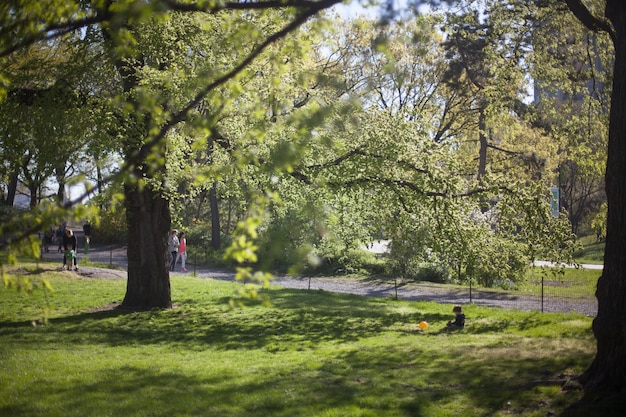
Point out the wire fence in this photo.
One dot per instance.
(545, 295)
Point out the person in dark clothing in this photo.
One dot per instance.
(60, 235)
(459, 319)
(69, 243)
(87, 231)
(47, 239)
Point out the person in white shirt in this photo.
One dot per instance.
(172, 245)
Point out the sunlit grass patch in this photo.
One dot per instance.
(311, 353)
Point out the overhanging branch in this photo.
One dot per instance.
(182, 115)
(593, 23)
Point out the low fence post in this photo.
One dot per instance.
(542, 283)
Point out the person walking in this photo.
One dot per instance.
(182, 251)
(172, 246)
(87, 232)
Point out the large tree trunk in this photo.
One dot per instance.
(147, 211)
(607, 373)
(149, 221)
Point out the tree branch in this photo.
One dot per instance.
(592, 23)
(360, 151)
(56, 29)
(211, 7)
(413, 187)
(182, 115)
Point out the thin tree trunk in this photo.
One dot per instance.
(12, 189)
(482, 139)
(100, 181)
(60, 177)
(215, 218)
(33, 189)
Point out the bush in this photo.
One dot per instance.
(433, 273)
(348, 262)
(111, 228)
(200, 249)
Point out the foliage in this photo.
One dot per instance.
(436, 273)
(591, 250)
(598, 224)
(111, 227)
(572, 91)
(338, 134)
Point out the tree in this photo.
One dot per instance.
(146, 121)
(572, 68)
(145, 116)
(436, 204)
(607, 373)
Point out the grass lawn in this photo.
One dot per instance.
(592, 251)
(311, 353)
(567, 282)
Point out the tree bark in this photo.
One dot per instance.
(483, 144)
(148, 215)
(216, 242)
(12, 188)
(607, 373)
(149, 221)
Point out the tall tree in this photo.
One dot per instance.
(145, 116)
(607, 373)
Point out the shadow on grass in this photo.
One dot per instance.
(609, 406)
(134, 391)
(426, 372)
(296, 316)
(305, 317)
(375, 381)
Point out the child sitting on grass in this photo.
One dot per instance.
(459, 320)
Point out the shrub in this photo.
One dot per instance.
(200, 249)
(433, 273)
(111, 227)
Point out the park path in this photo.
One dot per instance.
(115, 258)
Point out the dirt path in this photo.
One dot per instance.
(115, 258)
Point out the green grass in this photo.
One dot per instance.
(312, 353)
(566, 282)
(592, 251)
